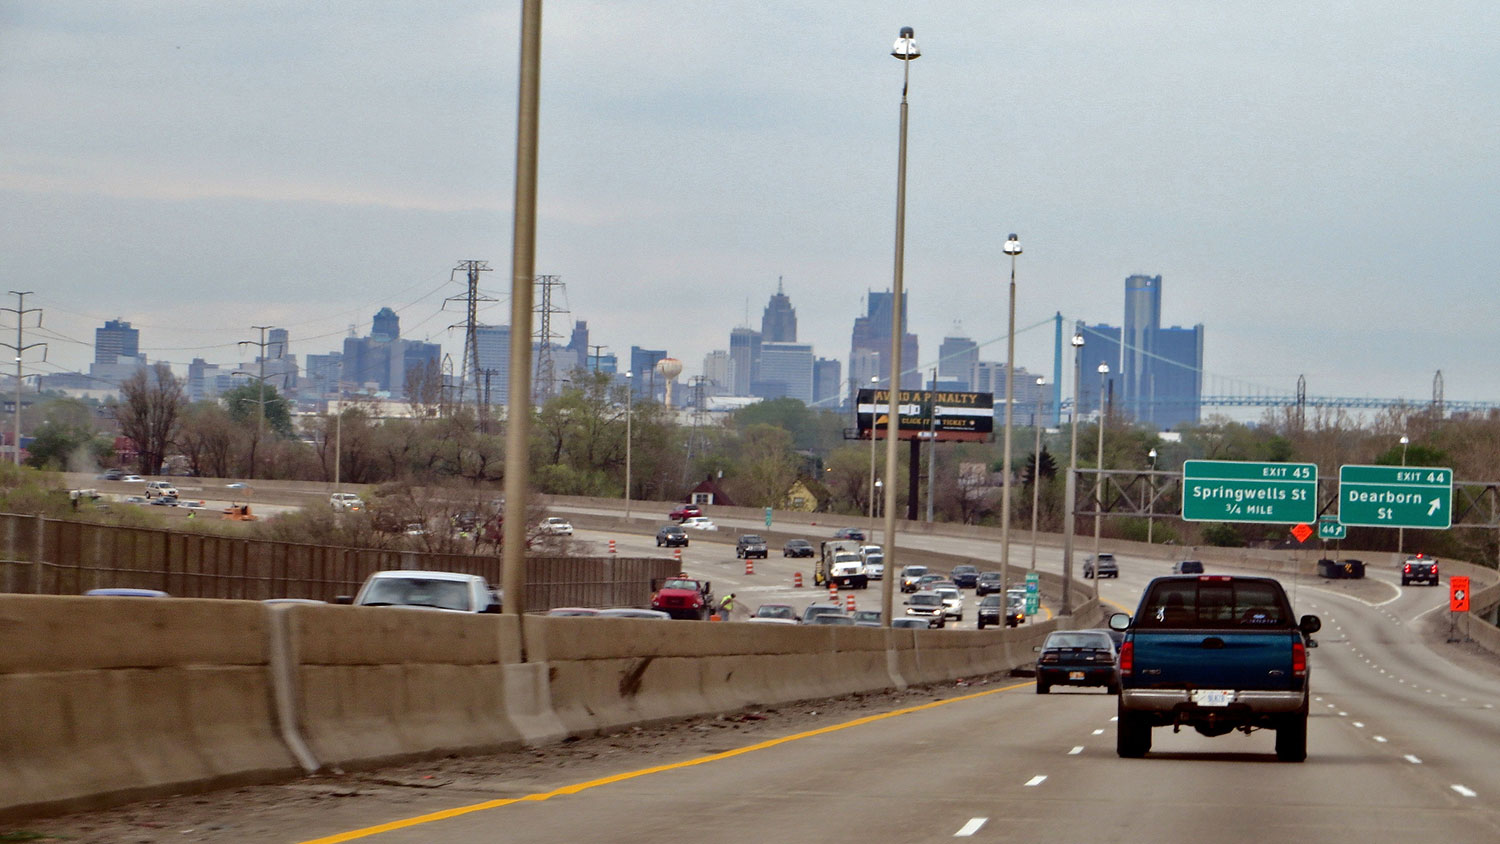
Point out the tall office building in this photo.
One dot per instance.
(778, 324)
(828, 383)
(645, 382)
(116, 340)
(1156, 373)
(718, 373)
(381, 360)
(786, 369)
(872, 333)
(493, 344)
(744, 349)
(956, 359)
(386, 325)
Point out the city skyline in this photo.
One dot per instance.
(1307, 196)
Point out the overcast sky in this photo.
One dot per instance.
(1318, 184)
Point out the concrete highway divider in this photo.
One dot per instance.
(108, 700)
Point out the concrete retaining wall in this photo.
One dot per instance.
(106, 700)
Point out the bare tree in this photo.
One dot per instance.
(424, 389)
(151, 401)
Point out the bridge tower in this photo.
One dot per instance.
(1437, 396)
(1301, 403)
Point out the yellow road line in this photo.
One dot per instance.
(630, 775)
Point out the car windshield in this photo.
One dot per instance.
(926, 600)
(914, 571)
(775, 612)
(964, 569)
(1075, 639)
(444, 594)
(675, 583)
(749, 539)
(1215, 602)
(990, 601)
(947, 593)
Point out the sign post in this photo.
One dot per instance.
(1458, 602)
(768, 517)
(1235, 491)
(1033, 594)
(1396, 496)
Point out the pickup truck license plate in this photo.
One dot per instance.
(1212, 697)
(1075, 675)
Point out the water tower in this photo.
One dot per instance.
(669, 368)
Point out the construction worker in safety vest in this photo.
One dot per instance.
(726, 606)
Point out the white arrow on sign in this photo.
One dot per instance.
(1433, 507)
(1458, 595)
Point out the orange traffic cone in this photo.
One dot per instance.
(797, 580)
(849, 604)
(611, 546)
(677, 554)
(749, 566)
(833, 593)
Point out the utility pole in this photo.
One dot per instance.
(470, 325)
(546, 374)
(260, 422)
(20, 347)
(598, 352)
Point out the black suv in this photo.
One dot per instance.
(749, 546)
(987, 583)
(672, 536)
(797, 548)
(965, 577)
(1419, 569)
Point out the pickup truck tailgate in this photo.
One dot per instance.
(1213, 659)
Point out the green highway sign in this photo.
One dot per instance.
(1396, 496)
(1329, 528)
(1236, 491)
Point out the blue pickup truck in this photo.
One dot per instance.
(1216, 653)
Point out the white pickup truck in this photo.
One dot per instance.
(345, 502)
(842, 564)
(432, 590)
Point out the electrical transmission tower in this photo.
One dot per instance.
(20, 347)
(471, 298)
(545, 380)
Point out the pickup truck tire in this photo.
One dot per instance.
(1132, 735)
(1043, 687)
(1291, 738)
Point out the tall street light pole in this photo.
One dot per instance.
(1036, 469)
(1401, 531)
(629, 404)
(1151, 502)
(905, 49)
(1070, 486)
(874, 385)
(1012, 248)
(1099, 477)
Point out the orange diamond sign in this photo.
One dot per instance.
(1302, 532)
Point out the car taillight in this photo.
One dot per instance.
(1406, 568)
(1049, 657)
(1434, 569)
(1299, 658)
(1127, 657)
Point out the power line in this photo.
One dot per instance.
(20, 347)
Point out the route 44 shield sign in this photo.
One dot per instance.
(1458, 594)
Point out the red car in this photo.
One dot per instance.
(685, 511)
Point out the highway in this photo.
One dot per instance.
(1400, 749)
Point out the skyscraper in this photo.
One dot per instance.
(778, 324)
(786, 369)
(744, 350)
(872, 333)
(828, 383)
(1156, 374)
(116, 340)
(956, 359)
(493, 344)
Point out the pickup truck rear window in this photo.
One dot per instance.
(1214, 603)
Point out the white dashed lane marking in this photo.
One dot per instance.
(1413, 759)
(1036, 780)
(1463, 790)
(1380, 739)
(970, 828)
(1098, 732)
(1075, 751)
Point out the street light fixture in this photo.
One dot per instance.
(878, 484)
(1401, 531)
(905, 50)
(1070, 485)
(1151, 502)
(1099, 477)
(1012, 248)
(1036, 468)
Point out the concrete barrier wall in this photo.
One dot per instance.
(106, 699)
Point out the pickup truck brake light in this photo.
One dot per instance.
(1218, 578)
(1406, 569)
(1127, 657)
(1299, 659)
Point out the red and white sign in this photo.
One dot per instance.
(1458, 594)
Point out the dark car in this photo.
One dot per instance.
(1341, 568)
(797, 548)
(850, 533)
(919, 623)
(1419, 569)
(1105, 563)
(110, 475)
(965, 577)
(671, 536)
(749, 546)
(988, 582)
(1187, 567)
(1077, 658)
(1015, 610)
